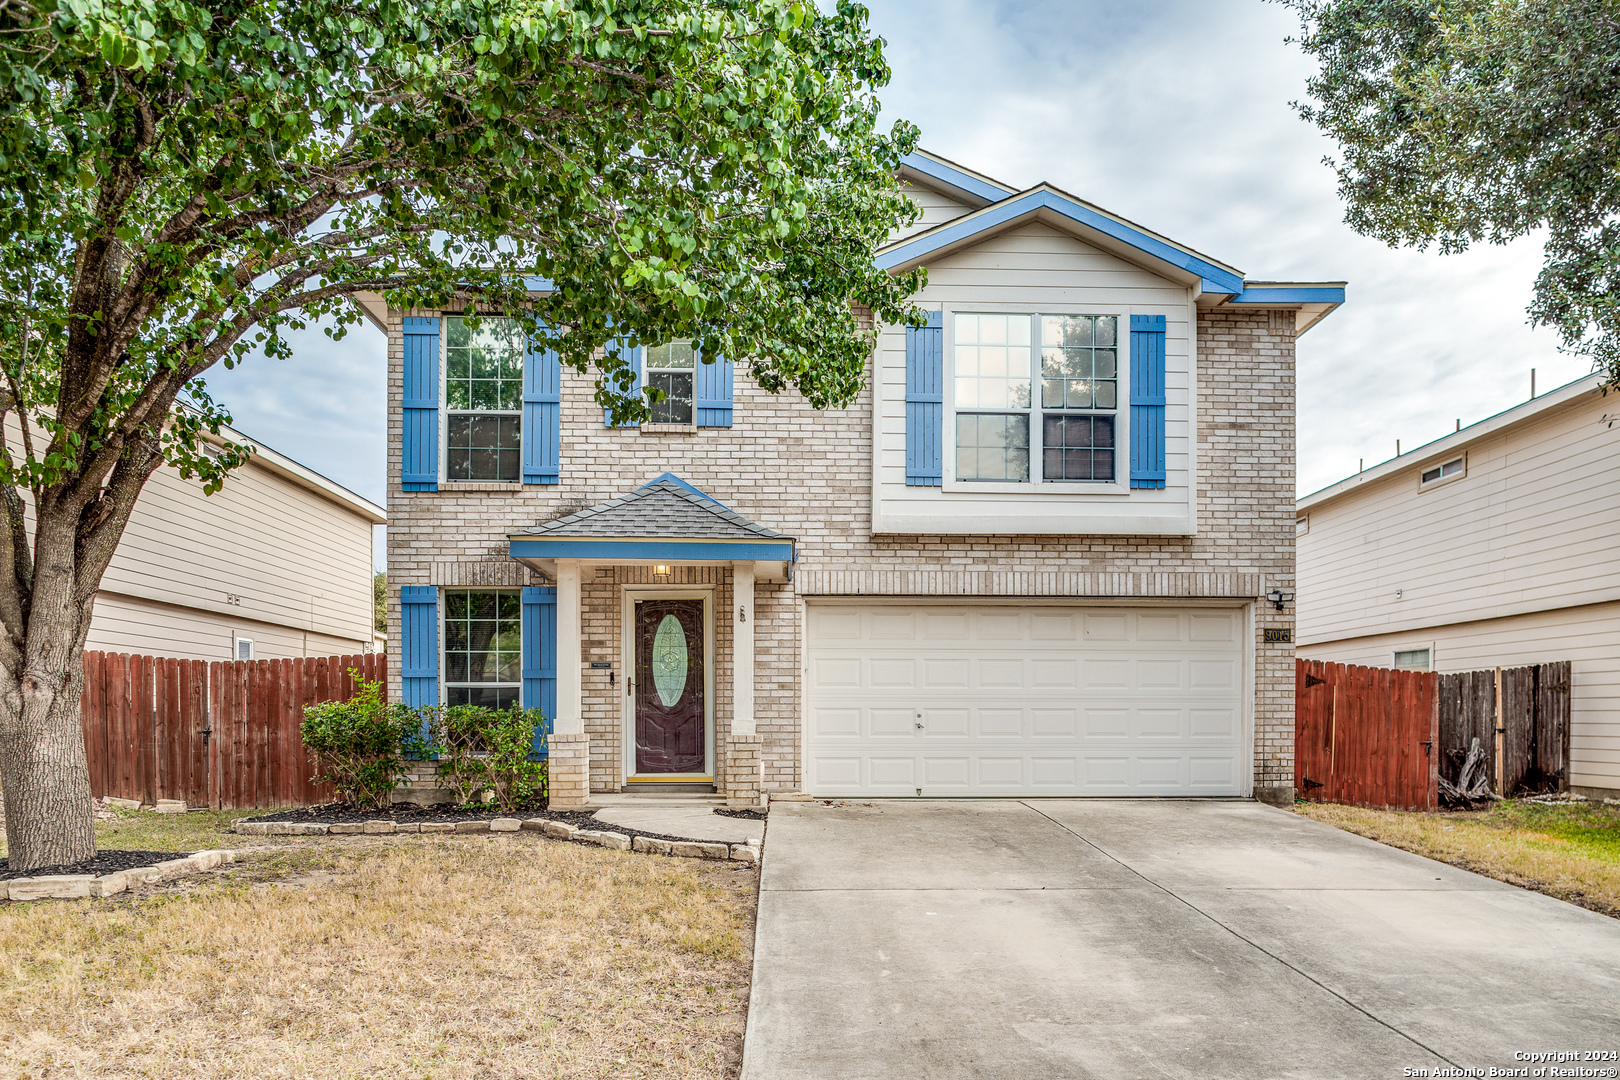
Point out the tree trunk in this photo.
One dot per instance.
(49, 807)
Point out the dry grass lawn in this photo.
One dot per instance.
(1571, 851)
(430, 957)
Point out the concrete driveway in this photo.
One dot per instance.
(1038, 940)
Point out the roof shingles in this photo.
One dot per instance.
(665, 509)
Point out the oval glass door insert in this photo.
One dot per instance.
(669, 661)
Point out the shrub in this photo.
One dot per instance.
(490, 750)
(361, 744)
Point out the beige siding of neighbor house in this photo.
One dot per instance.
(1036, 269)
(1515, 562)
(265, 558)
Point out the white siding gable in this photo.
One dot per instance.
(1037, 269)
(937, 209)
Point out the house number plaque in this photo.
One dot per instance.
(1279, 635)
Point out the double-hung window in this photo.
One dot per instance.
(1037, 398)
(482, 647)
(483, 391)
(669, 369)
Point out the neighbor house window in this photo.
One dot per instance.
(1302, 525)
(1441, 472)
(1068, 428)
(669, 369)
(1412, 660)
(483, 394)
(482, 647)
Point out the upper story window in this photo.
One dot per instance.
(1068, 428)
(482, 647)
(483, 392)
(1444, 471)
(669, 369)
(1412, 660)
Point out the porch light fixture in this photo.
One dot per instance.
(661, 570)
(1279, 597)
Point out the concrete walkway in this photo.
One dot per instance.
(1205, 940)
(692, 817)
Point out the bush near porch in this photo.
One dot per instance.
(366, 746)
(1568, 850)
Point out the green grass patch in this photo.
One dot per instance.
(144, 830)
(1589, 829)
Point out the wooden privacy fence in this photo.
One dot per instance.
(1528, 748)
(1384, 738)
(1365, 736)
(222, 735)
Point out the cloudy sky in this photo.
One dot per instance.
(1174, 114)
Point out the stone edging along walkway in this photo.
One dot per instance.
(559, 830)
(84, 886)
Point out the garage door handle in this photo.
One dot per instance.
(919, 725)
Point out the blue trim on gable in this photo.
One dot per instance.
(684, 486)
(1215, 278)
(540, 547)
(1311, 294)
(956, 178)
(539, 284)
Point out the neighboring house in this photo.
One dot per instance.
(1031, 559)
(277, 563)
(1498, 545)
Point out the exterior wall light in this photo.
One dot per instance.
(661, 570)
(1279, 597)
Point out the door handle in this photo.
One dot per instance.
(629, 686)
(919, 725)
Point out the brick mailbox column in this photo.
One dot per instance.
(741, 770)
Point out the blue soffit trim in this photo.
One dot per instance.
(1215, 279)
(952, 175)
(1290, 294)
(684, 486)
(535, 547)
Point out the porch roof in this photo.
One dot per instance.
(664, 520)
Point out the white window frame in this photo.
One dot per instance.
(1415, 647)
(237, 641)
(646, 383)
(1442, 480)
(1302, 526)
(443, 617)
(444, 408)
(1037, 483)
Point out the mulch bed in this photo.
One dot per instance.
(338, 813)
(105, 862)
(747, 815)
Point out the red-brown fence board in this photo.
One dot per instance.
(1365, 736)
(223, 735)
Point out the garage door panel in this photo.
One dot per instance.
(1034, 700)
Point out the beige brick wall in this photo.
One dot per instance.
(808, 474)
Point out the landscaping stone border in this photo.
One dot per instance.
(748, 852)
(85, 886)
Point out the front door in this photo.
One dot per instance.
(669, 687)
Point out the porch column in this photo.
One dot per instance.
(742, 764)
(570, 752)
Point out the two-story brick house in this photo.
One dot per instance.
(1032, 559)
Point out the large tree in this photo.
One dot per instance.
(1462, 121)
(182, 181)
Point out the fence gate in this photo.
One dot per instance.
(1534, 736)
(222, 735)
(1365, 736)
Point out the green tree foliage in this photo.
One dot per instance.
(181, 182)
(1461, 121)
(379, 601)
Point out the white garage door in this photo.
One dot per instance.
(991, 700)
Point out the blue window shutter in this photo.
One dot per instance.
(1147, 401)
(711, 393)
(419, 645)
(634, 356)
(540, 653)
(419, 436)
(925, 402)
(542, 415)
